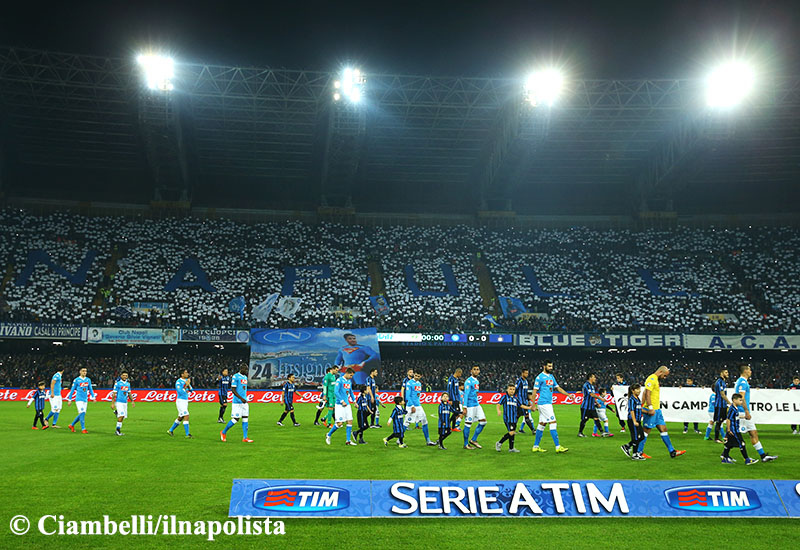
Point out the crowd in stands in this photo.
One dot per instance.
(147, 369)
(159, 368)
(586, 280)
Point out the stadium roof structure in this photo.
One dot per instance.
(82, 126)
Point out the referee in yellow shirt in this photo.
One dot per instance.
(651, 407)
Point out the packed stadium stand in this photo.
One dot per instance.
(22, 365)
(69, 268)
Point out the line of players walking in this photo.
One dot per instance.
(458, 404)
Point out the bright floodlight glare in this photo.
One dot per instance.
(729, 84)
(158, 71)
(544, 87)
(350, 86)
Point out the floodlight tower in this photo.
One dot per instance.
(728, 87)
(345, 139)
(162, 129)
(522, 126)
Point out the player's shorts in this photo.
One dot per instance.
(475, 414)
(223, 398)
(288, 406)
(588, 413)
(330, 401)
(510, 426)
(81, 406)
(720, 414)
(546, 414)
(746, 425)
(240, 410)
(183, 406)
(601, 414)
(417, 416)
(122, 410)
(456, 407)
(55, 403)
(651, 421)
(343, 413)
(711, 416)
(522, 412)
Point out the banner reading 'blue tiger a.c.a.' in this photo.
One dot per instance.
(308, 352)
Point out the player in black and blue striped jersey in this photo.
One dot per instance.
(509, 407)
(364, 404)
(522, 392)
(397, 422)
(734, 436)
(288, 401)
(445, 414)
(631, 449)
(224, 381)
(588, 409)
(375, 403)
(454, 396)
(721, 402)
(39, 397)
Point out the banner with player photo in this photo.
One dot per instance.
(691, 404)
(308, 352)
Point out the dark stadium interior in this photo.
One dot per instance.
(271, 138)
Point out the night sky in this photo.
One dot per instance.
(593, 39)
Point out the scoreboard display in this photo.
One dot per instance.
(470, 339)
(445, 339)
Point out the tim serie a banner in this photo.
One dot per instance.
(308, 352)
(514, 498)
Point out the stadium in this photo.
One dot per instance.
(544, 304)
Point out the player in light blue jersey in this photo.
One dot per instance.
(343, 413)
(182, 388)
(82, 388)
(543, 388)
(416, 414)
(710, 411)
(474, 410)
(121, 394)
(240, 408)
(747, 424)
(55, 397)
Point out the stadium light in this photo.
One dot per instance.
(729, 84)
(349, 86)
(158, 71)
(544, 87)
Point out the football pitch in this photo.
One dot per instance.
(86, 476)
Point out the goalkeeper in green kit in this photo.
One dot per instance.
(330, 400)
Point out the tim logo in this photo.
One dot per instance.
(711, 498)
(301, 498)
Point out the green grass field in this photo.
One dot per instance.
(147, 472)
